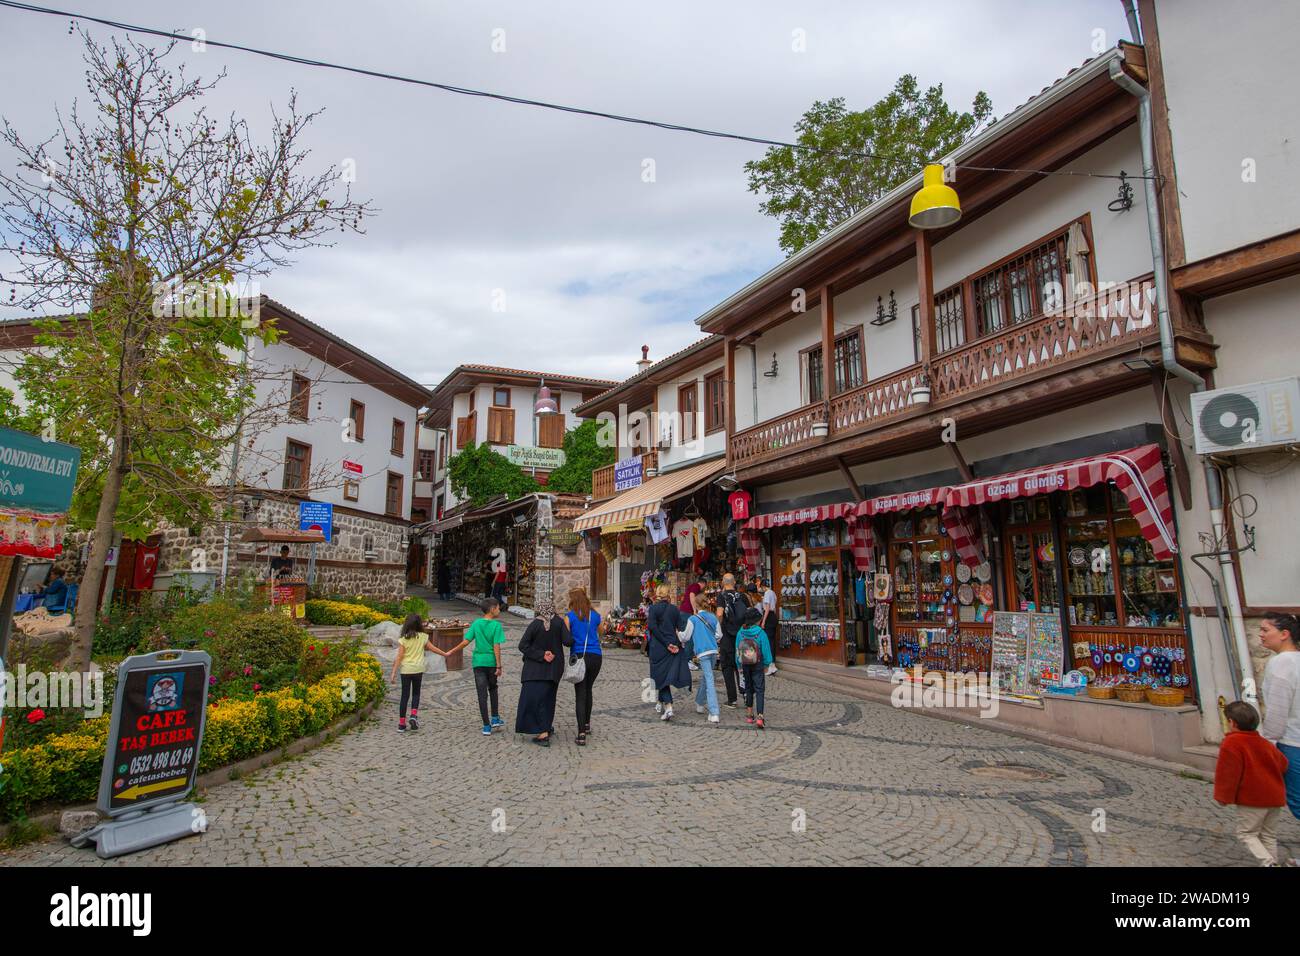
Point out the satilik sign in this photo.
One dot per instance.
(152, 757)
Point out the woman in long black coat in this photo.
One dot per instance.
(667, 657)
(543, 646)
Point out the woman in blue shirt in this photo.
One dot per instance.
(586, 627)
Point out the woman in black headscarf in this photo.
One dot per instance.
(667, 657)
(543, 646)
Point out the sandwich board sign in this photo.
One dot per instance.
(152, 757)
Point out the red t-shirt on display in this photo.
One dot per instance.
(739, 501)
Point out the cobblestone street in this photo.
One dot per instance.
(831, 781)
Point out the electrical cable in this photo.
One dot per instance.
(519, 100)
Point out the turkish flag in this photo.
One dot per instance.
(146, 565)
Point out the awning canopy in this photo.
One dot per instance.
(647, 498)
(446, 524)
(847, 511)
(903, 501)
(1139, 473)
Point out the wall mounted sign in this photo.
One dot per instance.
(352, 467)
(629, 473)
(528, 456)
(316, 516)
(565, 540)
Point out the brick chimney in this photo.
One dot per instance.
(645, 362)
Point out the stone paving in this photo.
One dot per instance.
(832, 780)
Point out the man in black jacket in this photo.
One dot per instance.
(731, 615)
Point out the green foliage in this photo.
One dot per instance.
(129, 628)
(398, 610)
(479, 474)
(344, 614)
(582, 455)
(854, 158)
(261, 641)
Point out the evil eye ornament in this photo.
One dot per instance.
(1131, 663)
(1096, 660)
(1161, 667)
(1107, 657)
(1148, 659)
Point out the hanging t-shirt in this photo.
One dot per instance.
(657, 526)
(701, 532)
(684, 537)
(739, 501)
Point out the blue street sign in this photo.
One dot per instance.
(317, 516)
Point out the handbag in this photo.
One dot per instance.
(575, 671)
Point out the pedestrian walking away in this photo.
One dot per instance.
(411, 645)
(444, 580)
(731, 617)
(667, 660)
(754, 654)
(586, 627)
(487, 636)
(702, 633)
(1249, 775)
(543, 646)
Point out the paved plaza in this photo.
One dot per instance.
(832, 780)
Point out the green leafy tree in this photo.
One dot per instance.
(854, 158)
(132, 220)
(479, 474)
(583, 454)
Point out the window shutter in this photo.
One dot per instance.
(550, 433)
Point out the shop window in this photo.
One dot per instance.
(357, 412)
(393, 495)
(921, 558)
(297, 466)
(399, 438)
(715, 402)
(299, 397)
(1032, 543)
(1112, 575)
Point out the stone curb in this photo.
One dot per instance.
(228, 774)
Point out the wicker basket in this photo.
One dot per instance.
(1131, 693)
(1101, 693)
(1165, 696)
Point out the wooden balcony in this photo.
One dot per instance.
(1090, 332)
(602, 479)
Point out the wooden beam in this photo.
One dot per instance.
(1254, 264)
(1171, 217)
(848, 478)
(1182, 476)
(828, 345)
(729, 356)
(963, 468)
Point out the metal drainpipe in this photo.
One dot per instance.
(753, 375)
(1234, 631)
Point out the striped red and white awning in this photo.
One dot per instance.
(860, 531)
(1139, 473)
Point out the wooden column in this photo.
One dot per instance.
(925, 291)
(828, 343)
(729, 355)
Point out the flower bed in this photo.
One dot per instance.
(65, 768)
(341, 614)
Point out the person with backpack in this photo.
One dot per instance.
(731, 617)
(754, 654)
(701, 634)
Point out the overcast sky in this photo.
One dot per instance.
(475, 195)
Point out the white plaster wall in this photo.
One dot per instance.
(704, 445)
(1121, 250)
(332, 391)
(1230, 73)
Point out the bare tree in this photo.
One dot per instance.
(136, 219)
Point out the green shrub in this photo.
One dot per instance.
(341, 614)
(264, 642)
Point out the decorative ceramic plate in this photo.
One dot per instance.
(963, 573)
(965, 593)
(986, 594)
(983, 573)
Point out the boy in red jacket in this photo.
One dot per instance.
(1250, 774)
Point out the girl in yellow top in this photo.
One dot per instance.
(414, 641)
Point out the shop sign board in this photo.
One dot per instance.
(565, 540)
(629, 473)
(1028, 652)
(528, 456)
(316, 516)
(352, 467)
(35, 474)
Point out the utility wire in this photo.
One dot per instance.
(517, 100)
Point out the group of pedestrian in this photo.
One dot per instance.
(543, 648)
(1258, 770)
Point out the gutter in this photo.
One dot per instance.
(1232, 623)
(903, 192)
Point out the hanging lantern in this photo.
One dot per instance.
(545, 404)
(935, 204)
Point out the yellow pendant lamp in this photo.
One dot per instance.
(935, 204)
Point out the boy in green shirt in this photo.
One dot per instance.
(487, 636)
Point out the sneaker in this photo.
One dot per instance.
(412, 724)
(714, 718)
(692, 665)
(401, 728)
(733, 703)
(759, 722)
(497, 724)
(659, 707)
(771, 669)
(749, 719)
(487, 730)
(699, 708)
(668, 714)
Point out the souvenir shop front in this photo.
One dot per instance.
(1087, 546)
(820, 558)
(467, 542)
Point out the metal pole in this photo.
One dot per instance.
(234, 469)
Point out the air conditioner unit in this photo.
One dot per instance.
(1246, 418)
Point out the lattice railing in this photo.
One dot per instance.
(780, 434)
(876, 401)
